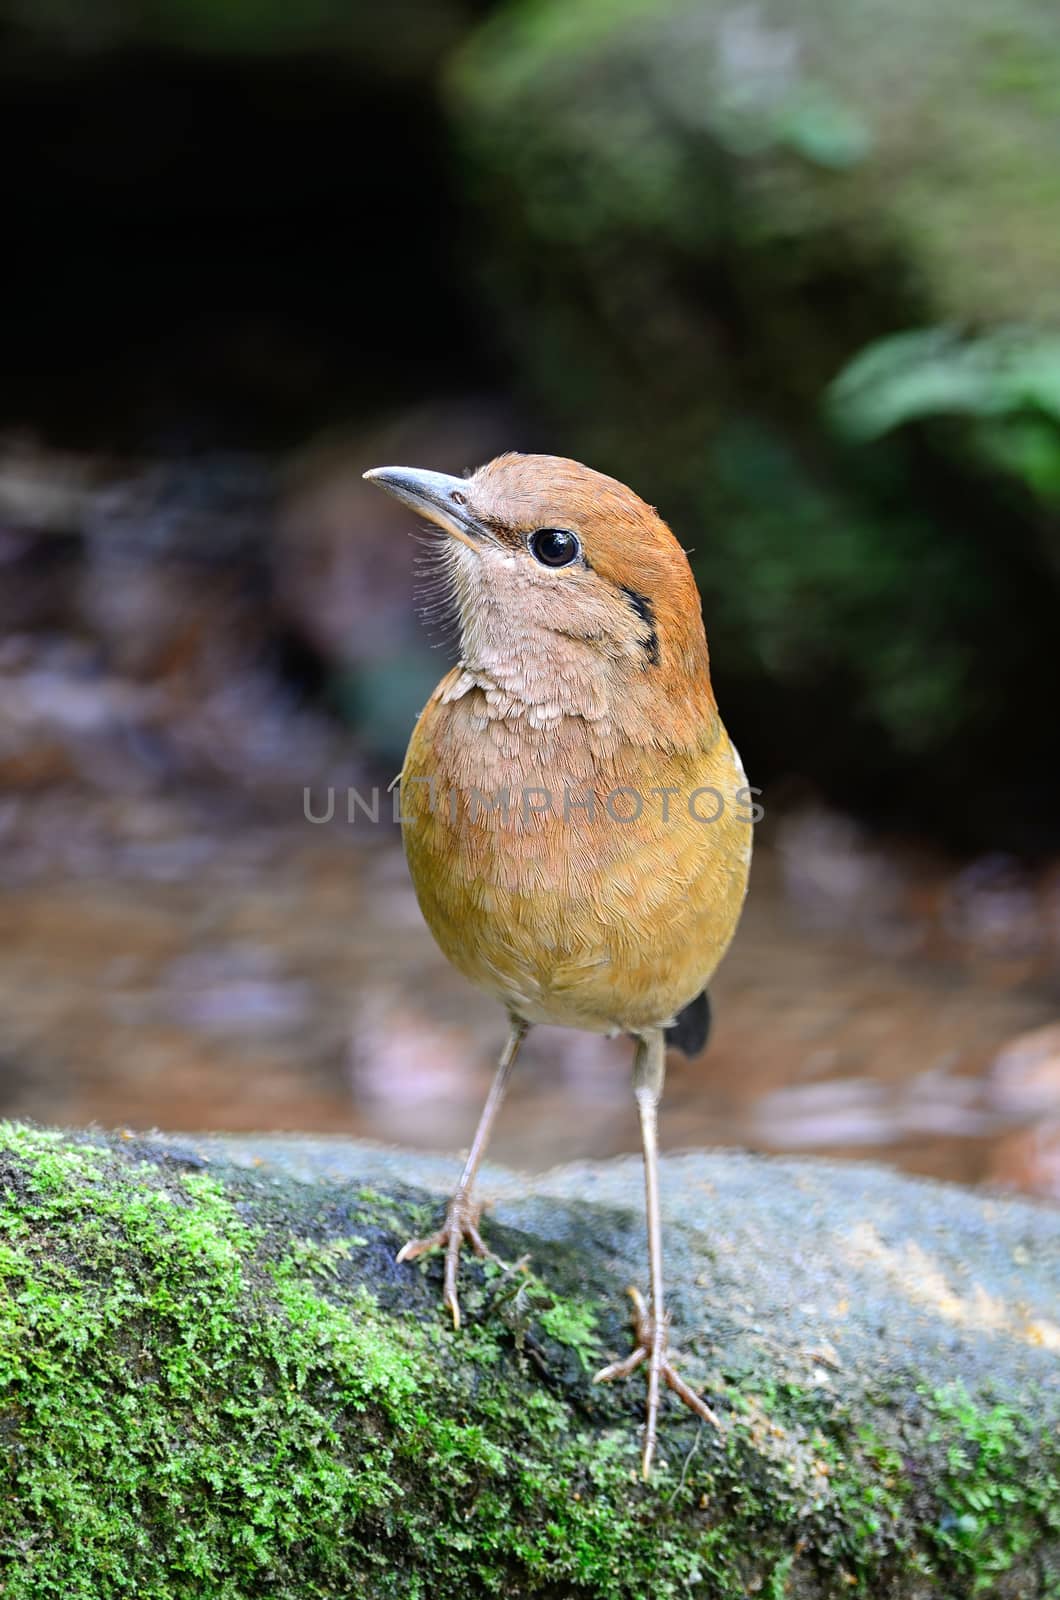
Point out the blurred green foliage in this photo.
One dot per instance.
(1007, 381)
(729, 244)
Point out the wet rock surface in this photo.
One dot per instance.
(850, 1272)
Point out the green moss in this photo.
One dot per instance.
(998, 1488)
(199, 1395)
(572, 1324)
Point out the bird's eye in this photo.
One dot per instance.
(554, 547)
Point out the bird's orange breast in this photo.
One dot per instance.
(583, 878)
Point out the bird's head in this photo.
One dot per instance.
(570, 590)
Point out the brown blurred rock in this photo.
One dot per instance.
(62, 718)
(174, 581)
(138, 640)
(353, 579)
(1029, 1161)
(27, 763)
(1024, 1080)
(42, 491)
(345, 564)
(43, 496)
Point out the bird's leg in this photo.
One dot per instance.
(650, 1325)
(462, 1214)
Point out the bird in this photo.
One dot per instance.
(577, 823)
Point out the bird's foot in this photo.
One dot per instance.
(461, 1223)
(651, 1346)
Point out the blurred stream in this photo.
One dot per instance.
(161, 965)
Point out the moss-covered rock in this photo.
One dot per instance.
(701, 213)
(215, 1381)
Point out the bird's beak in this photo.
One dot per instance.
(443, 500)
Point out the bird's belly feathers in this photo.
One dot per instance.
(594, 885)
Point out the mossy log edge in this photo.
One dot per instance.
(215, 1380)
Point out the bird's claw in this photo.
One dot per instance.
(461, 1223)
(651, 1346)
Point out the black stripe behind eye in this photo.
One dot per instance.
(643, 607)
